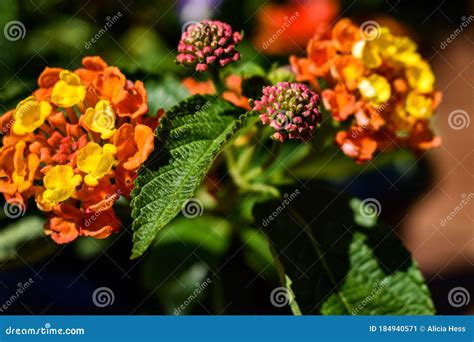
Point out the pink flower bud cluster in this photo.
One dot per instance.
(208, 42)
(291, 109)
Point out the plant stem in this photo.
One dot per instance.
(216, 79)
(276, 148)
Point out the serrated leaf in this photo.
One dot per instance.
(338, 267)
(188, 140)
(164, 94)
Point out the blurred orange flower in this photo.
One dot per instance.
(375, 81)
(286, 28)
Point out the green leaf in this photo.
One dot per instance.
(177, 269)
(164, 94)
(24, 241)
(187, 142)
(336, 266)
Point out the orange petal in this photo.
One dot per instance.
(357, 144)
(61, 230)
(110, 84)
(94, 63)
(49, 77)
(135, 101)
(100, 225)
(144, 140)
(345, 34)
(198, 87)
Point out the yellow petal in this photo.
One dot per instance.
(101, 119)
(418, 106)
(60, 183)
(375, 88)
(68, 91)
(96, 161)
(29, 115)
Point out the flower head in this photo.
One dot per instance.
(376, 82)
(291, 109)
(206, 43)
(76, 145)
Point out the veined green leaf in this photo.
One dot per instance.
(337, 267)
(187, 142)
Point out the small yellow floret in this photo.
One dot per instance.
(68, 91)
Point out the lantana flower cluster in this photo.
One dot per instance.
(208, 43)
(377, 83)
(291, 109)
(75, 146)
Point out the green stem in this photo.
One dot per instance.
(276, 148)
(216, 79)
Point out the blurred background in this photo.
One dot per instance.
(140, 37)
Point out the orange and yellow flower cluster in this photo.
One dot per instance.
(75, 146)
(376, 82)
